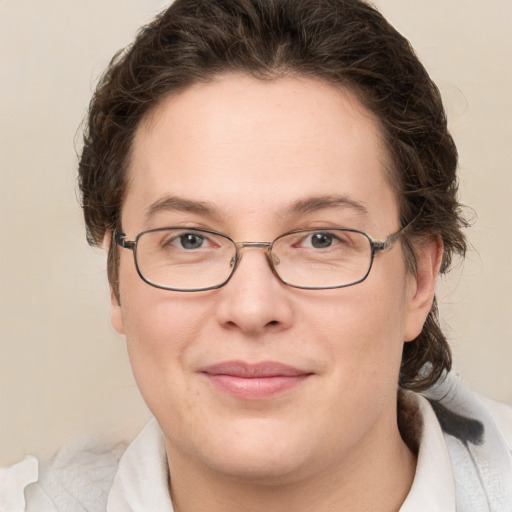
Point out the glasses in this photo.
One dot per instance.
(191, 260)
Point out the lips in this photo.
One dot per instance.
(254, 381)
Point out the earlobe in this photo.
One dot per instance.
(421, 295)
(116, 315)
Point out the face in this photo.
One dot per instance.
(257, 379)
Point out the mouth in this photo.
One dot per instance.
(258, 381)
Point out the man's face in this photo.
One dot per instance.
(251, 150)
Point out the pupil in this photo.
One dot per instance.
(321, 240)
(191, 241)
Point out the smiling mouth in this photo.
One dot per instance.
(254, 381)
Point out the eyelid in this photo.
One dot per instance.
(333, 233)
(326, 226)
(189, 230)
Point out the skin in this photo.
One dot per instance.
(251, 149)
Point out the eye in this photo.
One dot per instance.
(321, 240)
(190, 240)
(182, 240)
(318, 240)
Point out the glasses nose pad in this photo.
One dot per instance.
(274, 260)
(232, 262)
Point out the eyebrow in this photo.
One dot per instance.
(175, 203)
(299, 207)
(313, 204)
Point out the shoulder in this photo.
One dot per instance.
(78, 477)
(502, 416)
(466, 414)
(477, 433)
(13, 481)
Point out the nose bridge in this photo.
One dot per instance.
(255, 245)
(251, 301)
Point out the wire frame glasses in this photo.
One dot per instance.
(189, 260)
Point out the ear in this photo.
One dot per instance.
(429, 255)
(116, 316)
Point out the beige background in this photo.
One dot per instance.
(63, 370)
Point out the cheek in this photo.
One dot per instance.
(161, 328)
(364, 328)
(157, 327)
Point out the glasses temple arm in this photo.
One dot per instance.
(120, 239)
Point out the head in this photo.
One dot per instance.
(345, 43)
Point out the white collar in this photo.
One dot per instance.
(433, 488)
(142, 479)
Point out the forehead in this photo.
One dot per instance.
(246, 146)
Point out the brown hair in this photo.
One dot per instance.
(344, 42)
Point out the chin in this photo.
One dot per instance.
(259, 450)
(266, 465)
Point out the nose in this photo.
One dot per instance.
(254, 300)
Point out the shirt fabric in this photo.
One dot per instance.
(464, 465)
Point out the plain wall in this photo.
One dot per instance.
(63, 370)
